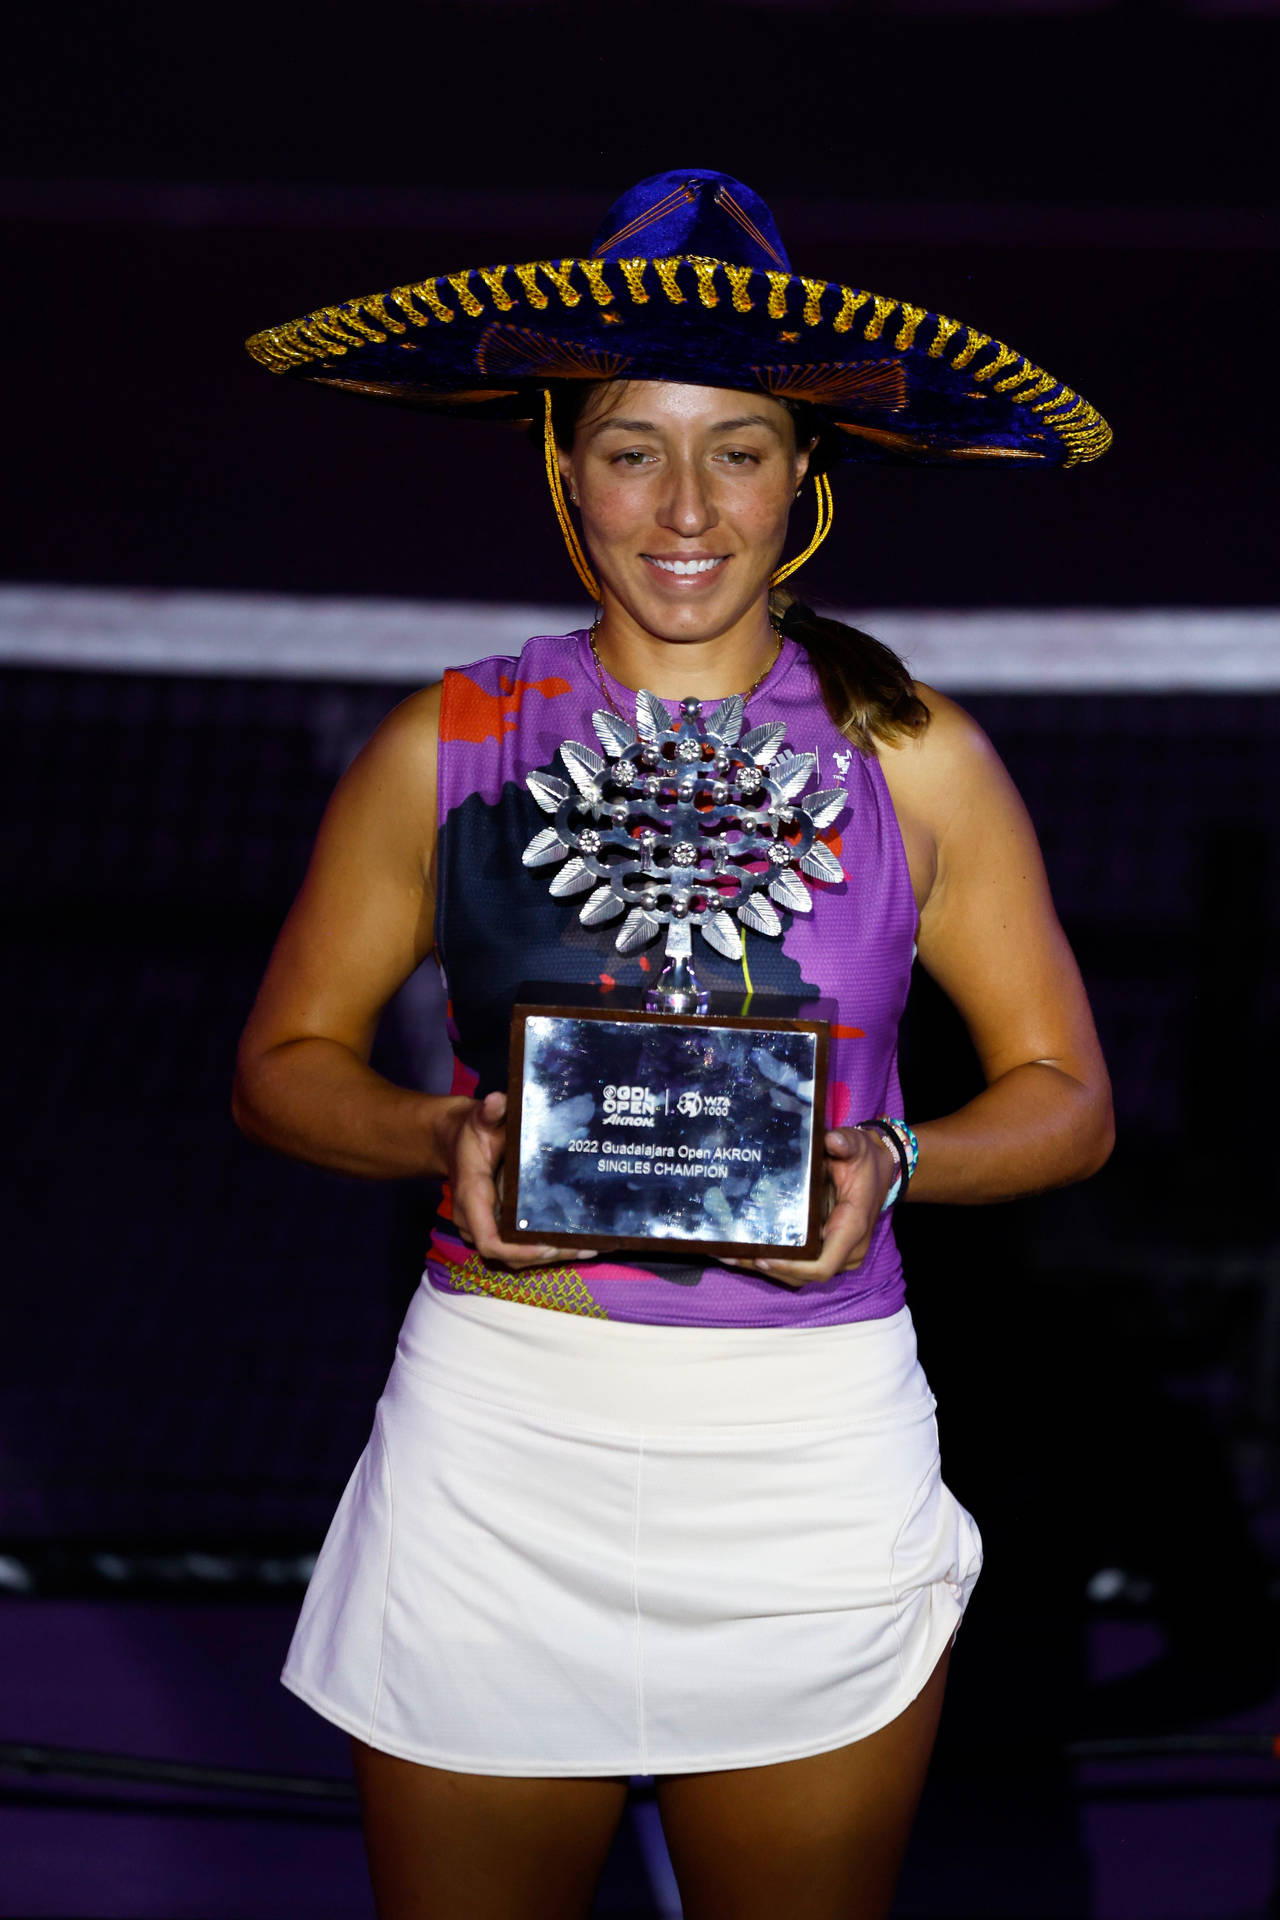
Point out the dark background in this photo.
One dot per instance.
(197, 1332)
(1093, 184)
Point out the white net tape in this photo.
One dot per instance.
(147, 630)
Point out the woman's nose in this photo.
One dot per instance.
(688, 508)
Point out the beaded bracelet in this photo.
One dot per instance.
(906, 1140)
(885, 1133)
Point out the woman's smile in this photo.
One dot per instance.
(687, 569)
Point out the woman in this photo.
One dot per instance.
(689, 1522)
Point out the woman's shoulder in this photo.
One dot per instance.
(493, 677)
(541, 653)
(951, 747)
(947, 781)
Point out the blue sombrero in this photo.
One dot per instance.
(688, 280)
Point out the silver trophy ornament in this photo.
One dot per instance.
(684, 823)
(655, 1119)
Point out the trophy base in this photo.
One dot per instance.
(682, 1132)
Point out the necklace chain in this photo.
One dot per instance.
(613, 706)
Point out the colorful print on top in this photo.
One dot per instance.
(497, 926)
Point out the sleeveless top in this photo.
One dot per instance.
(497, 925)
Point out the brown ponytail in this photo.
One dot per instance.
(865, 688)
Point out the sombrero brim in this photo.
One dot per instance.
(898, 382)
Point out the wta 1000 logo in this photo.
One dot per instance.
(640, 1106)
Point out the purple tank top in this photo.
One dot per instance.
(497, 925)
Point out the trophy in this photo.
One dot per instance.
(684, 1123)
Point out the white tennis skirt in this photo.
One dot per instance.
(588, 1547)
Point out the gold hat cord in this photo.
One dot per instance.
(826, 517)
(581, 565)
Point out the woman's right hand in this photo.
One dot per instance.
(475, 1155)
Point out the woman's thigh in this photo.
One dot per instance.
(817, 1839)
(466, 1846)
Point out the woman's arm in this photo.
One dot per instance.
(990, 938)
(360, 925)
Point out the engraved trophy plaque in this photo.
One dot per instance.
(681, 1124)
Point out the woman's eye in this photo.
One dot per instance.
(739, 457)
(630, 457)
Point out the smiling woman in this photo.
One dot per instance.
(651, 1513)
(867, 692)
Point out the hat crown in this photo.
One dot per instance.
(691, 210)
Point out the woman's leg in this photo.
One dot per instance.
(814, 1839)
(467, 1846)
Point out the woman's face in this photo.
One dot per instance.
(684, 494)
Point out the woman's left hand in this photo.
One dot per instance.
(861, 1168)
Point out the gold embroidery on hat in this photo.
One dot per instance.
(375, 304)
(1087, 440)
(1040, 383)
(1067, 398)
(974, 343)
(739, 279)
(280, 348)
(560, 280)
(946, 329)
(329, 343)
(706, 272)
(466, 299)
(561, 1289)
(670, 285)
(415, 393)
(269, 350)
(403, 297)
(324, 349)
(848, 307)
(314, 348)
(676, 197)
(504, 349)
(990, 453)
(332, 322)
(880, 384)
(911, 318)
(527, 275)
(882, 309)
(601, 291)
(1003, 357)
(425, 290)
(492, 277)
(732, 206)
(778, 284)
(1081, 429)
(1025, 371)
(633, 274)
(351, 316)
(813, 292)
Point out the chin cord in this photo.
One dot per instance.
(826, 515)
(582, 566)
